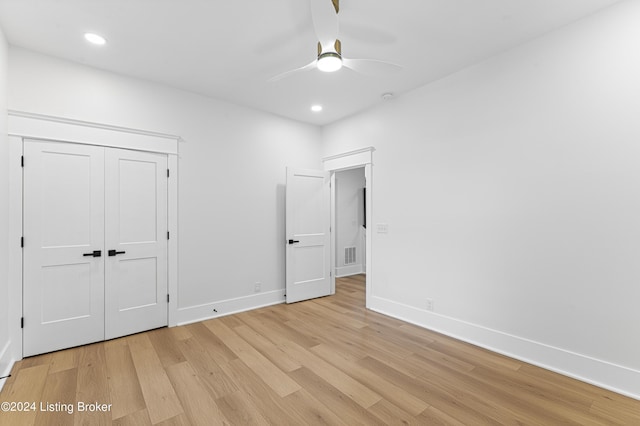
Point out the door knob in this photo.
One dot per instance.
(113, 252)
(293, 241)
(95, 253)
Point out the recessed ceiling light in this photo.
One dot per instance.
(95, 39)
(316, 108)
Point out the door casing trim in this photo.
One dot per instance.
(345, 161)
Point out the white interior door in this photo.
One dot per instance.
(136, 242)
(308, 252)
(63, 246)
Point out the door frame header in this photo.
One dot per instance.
(29, 125)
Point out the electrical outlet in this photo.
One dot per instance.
(258, 287)
(430, 305)
(382, 228)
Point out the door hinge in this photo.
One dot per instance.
(22, 161)
(168, 235)
(167, 172)
(167, 298)
(21, 241)
(22, 322)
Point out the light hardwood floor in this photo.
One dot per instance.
(325, 361)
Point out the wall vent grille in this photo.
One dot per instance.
(349, 255)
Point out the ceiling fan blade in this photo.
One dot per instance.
(307, 67)
(325, 22)
(371, 67)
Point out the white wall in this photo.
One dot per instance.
(231, 172)
(349, 220)
(5, 353)
(512, 195)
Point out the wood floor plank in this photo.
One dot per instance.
(274, 326)
(519, 385)
(166, 346)
(272, 375)
(136, 418)
(179, 420)
(28, 387)
(217, 350)
(198, 405)
(92, 389)
(64, 360)
(374, 382)
(216, 381)
(240, 409)
(231, 321)
(475, 355)
(325, 331)
(124, 387)
(181, 332)
(160, 397)
(435, 417)
(383, 345)
(331, 304)
(326, 314)
(393, 415)
(275, 354)
(468, 399)
(545, 379)
(306, 406)
(57, 405)
(412, 341)
(616, 413)
(342, 381)
(44, 359)
(269, 404)
(270, 331)
(348, 410)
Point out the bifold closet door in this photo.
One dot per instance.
(136, 241)
(63, 246)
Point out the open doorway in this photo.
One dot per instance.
(350, 223)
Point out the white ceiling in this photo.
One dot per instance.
(229, 49)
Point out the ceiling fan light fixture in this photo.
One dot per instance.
(329, 62)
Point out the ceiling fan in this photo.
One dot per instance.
(324, 14)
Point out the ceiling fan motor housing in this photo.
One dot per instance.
(337, 46)
(330, 61)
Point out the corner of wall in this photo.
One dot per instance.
(6, 353)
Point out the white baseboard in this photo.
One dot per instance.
(6, 362)
(345, 271)
(229, 306)
(600, 373)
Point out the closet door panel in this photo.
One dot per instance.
(136, 242)
(63, 233)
